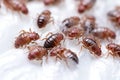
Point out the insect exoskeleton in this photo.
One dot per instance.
(53, 40)
(85, 5)
(90, 43)
(62, 53)
(16, 5)
(114, 49)
(37, 52)
(44, 18)
(25, 38)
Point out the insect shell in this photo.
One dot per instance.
(73, 32)
(114, 15)
(53, 40)
(114, 49)
(43, 18)
(88, 24)
(85, 5)
(16, 5)
(103, 33)
(50, 2)
(71, 21)
(37, 52)
(90, 43)
(25, 38)
(64, 54)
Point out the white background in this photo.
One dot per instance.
(14, 64)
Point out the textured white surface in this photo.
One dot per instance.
(14, 64)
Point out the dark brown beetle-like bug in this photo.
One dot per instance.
(53, 40)
(44, 18)
(16, 5)
(114, 15)
(73, 32)
(25, 38)
(37, 52)
(63, 54)
(88, 24)
(71, 21)
(50, 2)
(103, 33)
(90, 43)
(114, 49)
(85, 5)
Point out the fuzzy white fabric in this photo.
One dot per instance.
(14, 64)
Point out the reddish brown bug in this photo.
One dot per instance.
(25, 38)
(64, 54)
(85, 5)
(37, 52)
(104, 33)
(114, 49)
(71, 21)
(50, 2)
(73, 32)
(90, 43)
(16, 5)
(88, 23)
(53, 40)
(114, 15)
(44, 18)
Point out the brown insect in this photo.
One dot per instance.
(88, 24)
(16, 5)
(90, 43)
(114, 15)
(53, 40)
(85, 5)
(104, 33)
(73, 32)
(37, 52)
(44, 18)
(64, 54)
(114, 49)
(25, 38)
(71, 21)
(50, 2)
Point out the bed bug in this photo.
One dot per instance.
(71, 21)
(37, 52)
(50, 2)
(85, 5)
(114, 15)
(25, 38)
(16, 5)
(90, 43)
(74, 32)
(44, 18)
(53, 40)
(114, 49)
(63, 54)
(88, 24)
(104, 33)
